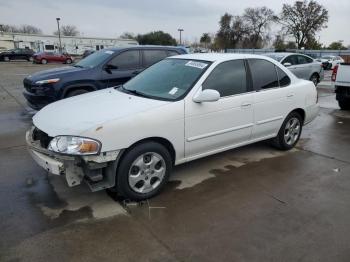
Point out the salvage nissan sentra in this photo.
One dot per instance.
(186, 107)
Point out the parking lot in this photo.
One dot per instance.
(248, 204)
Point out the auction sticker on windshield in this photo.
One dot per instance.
(196, 64)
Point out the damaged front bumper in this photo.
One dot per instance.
(98, 171)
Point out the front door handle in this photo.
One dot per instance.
(290, 95)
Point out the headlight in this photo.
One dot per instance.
(47, 81)
(74, 145)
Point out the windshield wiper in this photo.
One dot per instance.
(133, 91)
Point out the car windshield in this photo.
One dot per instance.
(95, 59)
(168, 79)
(277, 57)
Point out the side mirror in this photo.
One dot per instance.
(207, 95)
(287, 64)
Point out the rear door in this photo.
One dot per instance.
(273, 97)
(126, 65)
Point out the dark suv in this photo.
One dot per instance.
(102, 69)
(17, 54)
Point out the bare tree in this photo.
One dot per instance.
(258, 21)
(68, 30)
(26, 29)
(303, 20)
(127, 35)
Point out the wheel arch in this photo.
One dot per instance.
(69, 88)
(300, 111)
(163, 141)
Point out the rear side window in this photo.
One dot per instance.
(228, 78)
(127, 60)
(301, 60)
(172, 53)
(292, 59)
(153, 56)
(263, 73)
(283, 78)
(308, 59)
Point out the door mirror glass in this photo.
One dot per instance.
(287, 64)
(207, 95)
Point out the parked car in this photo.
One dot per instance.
(301, 65)
(87, 53)
(182, 108)
(17, 54)
(331, 60)
(341, 82)
(52, 57)
(105, 68)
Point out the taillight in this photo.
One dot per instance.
(334, 73)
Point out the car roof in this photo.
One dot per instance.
(219, 57)
(143, 47)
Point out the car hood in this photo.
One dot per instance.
(55, 72)
(73, 116)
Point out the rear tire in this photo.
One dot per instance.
(344, 104)
(6, 59)
(76, 92)
(143, 171)
(289, 133)
(30, 59)
(315, 79)
(44, 61)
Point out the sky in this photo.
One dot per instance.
(110, 18)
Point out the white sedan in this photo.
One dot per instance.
(183, 108)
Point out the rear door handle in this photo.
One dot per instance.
(246, 105)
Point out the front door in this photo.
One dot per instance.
(216, 126)
(124, 66)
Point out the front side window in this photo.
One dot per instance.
(169, 79)
(301, 60)
(263, 73)
(95, 59)
(127, 60)
(228, 78)
(153, 56)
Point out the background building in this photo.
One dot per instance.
(74, 45)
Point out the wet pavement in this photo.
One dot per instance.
(249, 204)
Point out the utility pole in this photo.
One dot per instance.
(59, 33)
(180, 30)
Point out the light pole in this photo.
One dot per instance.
(59, 33)
(180, 30)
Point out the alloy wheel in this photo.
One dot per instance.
(147, 172)
(292, 131)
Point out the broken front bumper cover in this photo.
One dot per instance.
(98, 171)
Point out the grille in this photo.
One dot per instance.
(42, 137)
(28, 85)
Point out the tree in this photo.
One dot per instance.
(205, 39)
(25, 29)
(127, 35)
(338, 45)
(303, 20)
(279, 44)
(156, 38)
(68, 30)
(258, 21)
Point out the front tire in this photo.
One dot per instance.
(68, 61)
(44, 61)
(143, 171)
(6, 59)
(289, 133)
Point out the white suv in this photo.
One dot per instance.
(185, 107)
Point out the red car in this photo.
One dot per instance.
(47, 57)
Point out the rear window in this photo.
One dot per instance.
(283, 78)
(151, 57)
